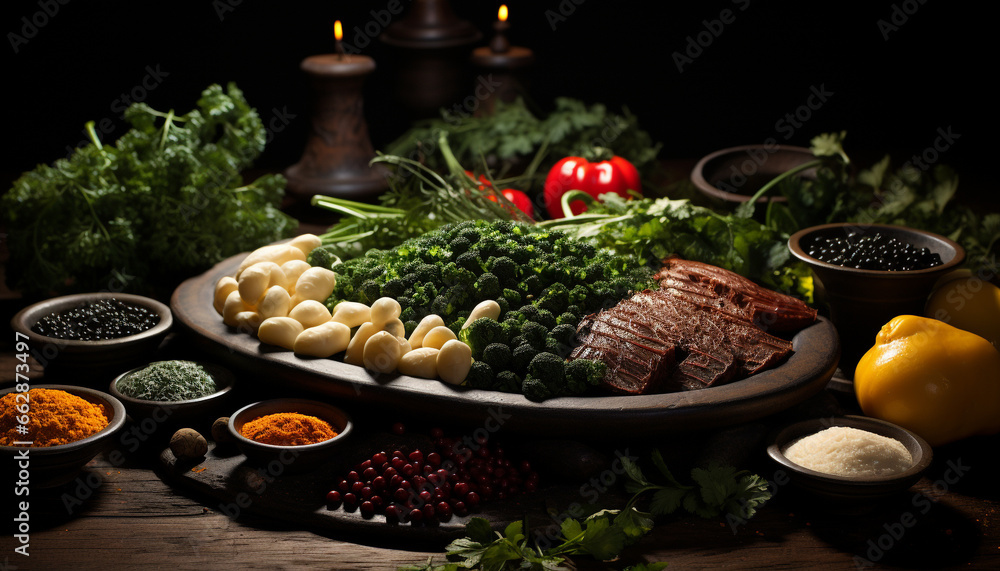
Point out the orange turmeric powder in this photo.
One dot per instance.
(54, 417)
(288, 429)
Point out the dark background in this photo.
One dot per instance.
(891, 94)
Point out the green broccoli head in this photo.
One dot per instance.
(324, 257)
(583, 375)
(480, 334)
(504, 269)
(508, 382)
(521, 358)
(534, 334)
(497, 355)
(548, 366)
(487, 286)
(481, 376)
(534, 389)
(554, 299)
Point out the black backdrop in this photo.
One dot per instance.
(895, 74)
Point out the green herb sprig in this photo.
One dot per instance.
(715, 491)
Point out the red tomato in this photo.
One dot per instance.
(616, 175)
(521, 200)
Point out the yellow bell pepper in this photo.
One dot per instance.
(937, 380)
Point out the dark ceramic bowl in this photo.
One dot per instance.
(53, 466)
(862, 301)
(847, 490)
(90, 359)
(200, 411)
(290, 459)
(736, 173)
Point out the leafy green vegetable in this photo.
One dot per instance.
(906, 196)
(165, 201)
(715, 491)
(652, 229)
(602, 536)
(513, 132)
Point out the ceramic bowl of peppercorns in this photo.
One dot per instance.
(289, 435)
(88, 335)
(867, 274)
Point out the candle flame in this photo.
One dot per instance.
(338, 30)
(502, 13)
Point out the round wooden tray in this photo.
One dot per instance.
(806, 372)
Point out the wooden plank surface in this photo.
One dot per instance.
(128, 517)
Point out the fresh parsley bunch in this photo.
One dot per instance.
(166, 201)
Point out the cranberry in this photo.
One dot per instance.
(397, 454)
(434, 459)
(428, 510)
(442, 474)
(396, 480)
(378, 483)
(459, 508)
(366, 492)
(398, 462)
(408, 469)
(416, 515)
(472, 499)
(343, 485)
(443, 510)
(401, 495)
(352, 476)
(399, 428)
(350, 499)
(377, 501)
(389, 472)
(367, 509)
(369, 474)
(379, 458)
(392, 512)
(425, 495)
(365, 465)
(416, 456)
(460, 489)
(333, 497)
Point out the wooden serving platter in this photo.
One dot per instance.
(806, 372)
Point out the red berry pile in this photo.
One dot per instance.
(413, 487)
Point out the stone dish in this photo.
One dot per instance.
(850, 490)
(805, 373)
(290, 459)
(90, 359)
(53, 466)
(733, 175)
(176, 414)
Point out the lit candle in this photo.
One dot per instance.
(499, 44)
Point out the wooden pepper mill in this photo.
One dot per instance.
(337, 153)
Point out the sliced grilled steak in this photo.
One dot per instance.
(636, 363)
(726, 291)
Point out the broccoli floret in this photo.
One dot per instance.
(564, 334)
(545, 318)
(393, 288)
(409, 326)
(578, 295)
(487, 286)
(504, 269)
(568, 318)
(512, 296)
(470, 261)
(457, 324)
(480, 334)
(427, 273)
(528, 312)
(584, 374)
(555, 298)
(408, 314)
(422, 295)
(458, 294)
(522, 356)
(460, 245)
(534, 389)
(548, 366)
(508, 382)
(369, 292)
(529, 285)
(443, 306)
(534, 334)
(323, 256)
(481, 376)
(453, 274)
(497, 355)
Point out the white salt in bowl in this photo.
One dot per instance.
(850, 489)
